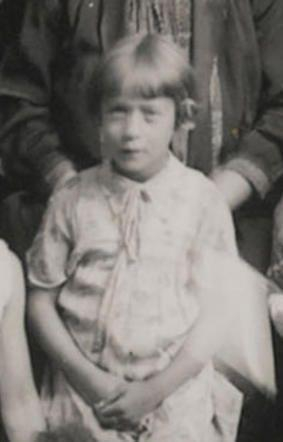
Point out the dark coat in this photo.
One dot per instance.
(44, 77)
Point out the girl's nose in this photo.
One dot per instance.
(133, 125)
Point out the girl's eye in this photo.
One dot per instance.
(150, 114)
(118, 112)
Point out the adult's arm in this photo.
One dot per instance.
(258, 163)
(30, 144)
(20, 407)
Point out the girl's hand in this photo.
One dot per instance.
(234, 187)
(125, 410)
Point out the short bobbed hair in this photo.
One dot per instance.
(144, 66)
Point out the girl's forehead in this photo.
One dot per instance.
(136, 80)
(132, 100)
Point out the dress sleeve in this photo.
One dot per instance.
(30, 144)
(260, 156)
(48, 257)
(216, 228)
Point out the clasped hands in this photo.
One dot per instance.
(124, 408)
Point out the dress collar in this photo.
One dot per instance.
(125, 196)
(116, 187)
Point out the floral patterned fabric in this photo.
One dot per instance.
(123, 254)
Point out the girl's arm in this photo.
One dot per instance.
(20, 405)
(47, 262)
(90, 382)
(126, 409)
(198, 349)
(214, 255)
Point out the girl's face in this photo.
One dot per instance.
(136, 134)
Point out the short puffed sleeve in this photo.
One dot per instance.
(47, 259)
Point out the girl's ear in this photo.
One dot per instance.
(187, 112)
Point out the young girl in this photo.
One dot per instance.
(20, 408)
(121, 299)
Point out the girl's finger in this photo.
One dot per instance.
(116, 423)
(113, 409)
(110, 423)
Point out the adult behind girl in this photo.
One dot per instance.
(121, 295)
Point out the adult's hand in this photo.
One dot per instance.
(233, 186)
(275, 303)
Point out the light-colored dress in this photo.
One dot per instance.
(122, 253)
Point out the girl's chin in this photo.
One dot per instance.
(130, 170)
